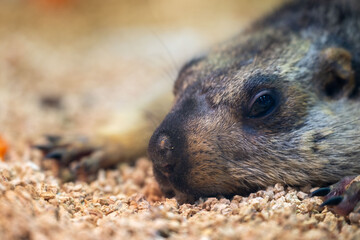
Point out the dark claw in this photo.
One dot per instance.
(320, 192)
(75, 157)
(332, 201)
(57, 154)
(44, 148)
(66, 156)
(342, 197)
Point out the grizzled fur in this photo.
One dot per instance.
(307, 54)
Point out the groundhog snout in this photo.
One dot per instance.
(168, 146)
(162, 152)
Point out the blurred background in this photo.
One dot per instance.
(68, 65)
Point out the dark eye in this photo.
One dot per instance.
(262, 104)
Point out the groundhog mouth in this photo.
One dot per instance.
(185, 191)
(168, 188)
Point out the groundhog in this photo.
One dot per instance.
(279, 102)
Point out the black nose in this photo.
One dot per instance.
(161, 151)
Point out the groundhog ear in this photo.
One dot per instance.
(336, 76)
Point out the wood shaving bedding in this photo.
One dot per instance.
(122, 204)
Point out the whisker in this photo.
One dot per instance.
(156, 35)
(167, 51)
(169, 75)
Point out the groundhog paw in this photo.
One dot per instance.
(342, 197)
(76, 157)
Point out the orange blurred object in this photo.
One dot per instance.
(3, 148)
(52, 3)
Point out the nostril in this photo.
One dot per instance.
(162, 155)
(164, 144)
(164, 147)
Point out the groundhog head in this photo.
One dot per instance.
(265, 107)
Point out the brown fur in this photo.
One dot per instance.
(307, 54)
